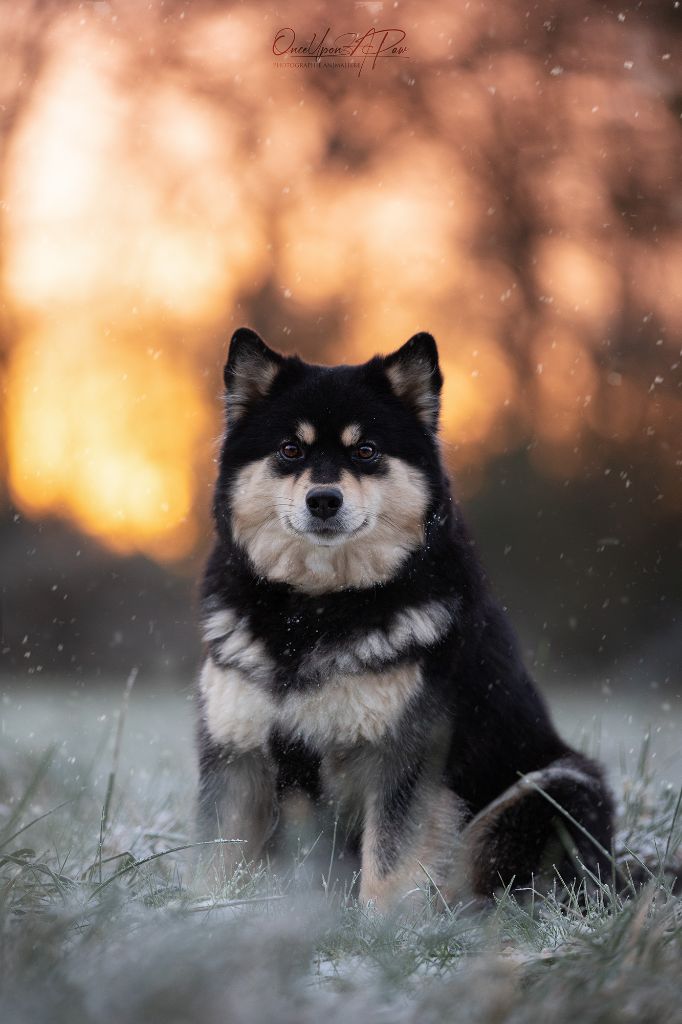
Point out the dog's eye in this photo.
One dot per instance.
(365, 452)
(290, 451)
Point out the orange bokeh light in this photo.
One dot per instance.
(105, 433)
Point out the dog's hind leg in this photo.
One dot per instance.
(556, 820)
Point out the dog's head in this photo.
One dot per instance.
(327, 474)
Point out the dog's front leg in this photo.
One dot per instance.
(237, 773)
(411, 827)
(237, 800)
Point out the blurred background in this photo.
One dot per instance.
(512, 184)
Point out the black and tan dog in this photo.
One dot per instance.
(355, 651)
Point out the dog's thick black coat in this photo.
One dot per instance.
(476, 727)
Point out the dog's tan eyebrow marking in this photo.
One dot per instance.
(306, 432)
(351, 434)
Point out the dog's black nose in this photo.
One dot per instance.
(324, 502)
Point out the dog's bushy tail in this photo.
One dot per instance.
(552, 823)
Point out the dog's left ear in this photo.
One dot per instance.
(249, 372)
(415, 377)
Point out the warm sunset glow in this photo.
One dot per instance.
(104, 433)
(163, 183)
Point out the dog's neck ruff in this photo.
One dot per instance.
(316, 569)
(360, 650)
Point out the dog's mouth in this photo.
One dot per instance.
(327, 533)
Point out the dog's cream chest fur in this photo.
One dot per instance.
(343, 711)
(349, 709)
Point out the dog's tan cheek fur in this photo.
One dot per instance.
(246, 498)
(400, 496)
(259, 498)
(259, 494)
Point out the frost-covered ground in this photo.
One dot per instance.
(100, 924)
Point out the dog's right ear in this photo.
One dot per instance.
(250, 370)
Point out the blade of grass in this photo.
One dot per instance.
(325, 884)
(672, 826)
(118, 739)
(440, 894)
(38, 776)
(157, 856)
(639, 860)
(34, 822)
(223, 904)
